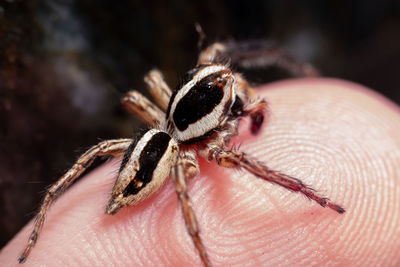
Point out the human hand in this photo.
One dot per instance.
(338, 137)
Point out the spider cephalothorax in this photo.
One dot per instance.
(200, 117)
(201, 105)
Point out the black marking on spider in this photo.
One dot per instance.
(199, 101)
(148, 160)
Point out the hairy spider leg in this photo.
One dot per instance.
(237, 159)
(115, 148)
(179, 178)
(158, 88)
(136, 103)
(256, 53)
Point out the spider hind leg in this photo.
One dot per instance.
(238, 159)
(255, 56)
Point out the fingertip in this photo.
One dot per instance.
(342, 139)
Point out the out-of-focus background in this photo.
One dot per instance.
(64, 64)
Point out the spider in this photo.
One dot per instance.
(200, 117)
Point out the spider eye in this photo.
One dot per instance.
(145, 167)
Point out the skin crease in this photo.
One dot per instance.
(337, 136)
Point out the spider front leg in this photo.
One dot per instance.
(158, 88)
(237, 159)
(179, 176)
(139, 105)
(143, 108)
(109, 147)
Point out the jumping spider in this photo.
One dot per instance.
(199, 117)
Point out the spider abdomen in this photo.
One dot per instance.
(145, 167)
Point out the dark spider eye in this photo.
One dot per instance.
(221, 81)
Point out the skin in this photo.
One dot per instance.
(339, 137)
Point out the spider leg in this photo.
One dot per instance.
(255, 54)
(139, 105)
(179, 178)
(188, 160)
(158, 88)
(215, 53)
(237, 159)
(116, 147)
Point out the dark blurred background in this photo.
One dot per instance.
(64, 64)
